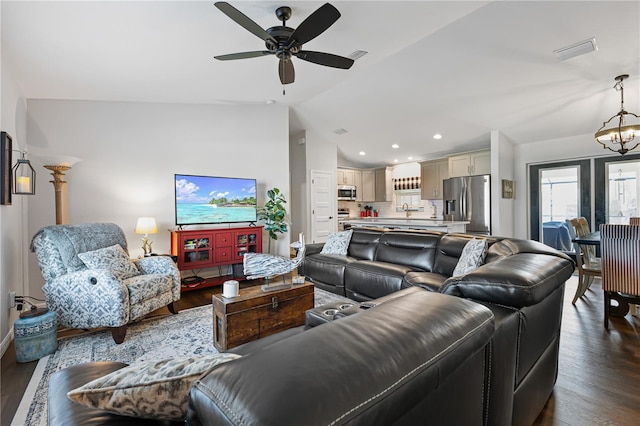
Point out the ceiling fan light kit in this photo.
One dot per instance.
(285, 42)
(624, 128)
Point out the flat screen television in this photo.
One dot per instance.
(211, 199)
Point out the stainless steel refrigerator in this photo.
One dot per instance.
(468, 198)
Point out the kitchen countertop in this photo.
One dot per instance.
(416, 223)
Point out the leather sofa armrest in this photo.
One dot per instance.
(313, 248)
(523, 279)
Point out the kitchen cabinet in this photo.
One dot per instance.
(432, 173)
(357, 176)
(469, 164)
(346, 177)
(383, 184)
(368, 185)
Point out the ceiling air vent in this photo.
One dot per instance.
(577, 49)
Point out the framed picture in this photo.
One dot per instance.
(507, 188)
(6, 147)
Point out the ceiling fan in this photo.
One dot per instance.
(285, 42)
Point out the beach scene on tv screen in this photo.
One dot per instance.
(205, 199)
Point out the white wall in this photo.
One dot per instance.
(502, 167)
(129, 153)
(13, 218)
(297, 206)
(322, 155)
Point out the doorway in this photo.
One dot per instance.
(558, 191)
(323, 205)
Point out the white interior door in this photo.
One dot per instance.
(323, 205)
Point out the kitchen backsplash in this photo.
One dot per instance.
(386, 209)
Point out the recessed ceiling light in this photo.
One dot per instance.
(395, 146)
(270, 102)
(340, 131)
(362, 153)
(395, 160)
(409, 158)
(437, 136)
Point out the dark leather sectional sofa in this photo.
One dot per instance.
(521, 283)
(422, 348)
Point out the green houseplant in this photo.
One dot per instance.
(273, 214)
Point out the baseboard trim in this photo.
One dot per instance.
(6, 342)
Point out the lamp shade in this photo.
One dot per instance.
(24, 178)
(146, 225)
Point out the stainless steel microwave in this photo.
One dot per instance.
(347, 192)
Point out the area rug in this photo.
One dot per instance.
(188, 333)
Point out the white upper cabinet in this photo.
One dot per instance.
(368, 186)
(432, 173)
(384, 186)
(346, 177)
(469, 164)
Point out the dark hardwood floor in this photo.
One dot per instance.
(598, 382)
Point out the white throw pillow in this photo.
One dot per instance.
(472, 256)
(113, 258)
(152, 389)
(337, 243)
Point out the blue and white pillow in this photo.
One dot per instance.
(337, 243)
(152, 389)
(472, 256)
(113, 258)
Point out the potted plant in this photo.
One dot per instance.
(273, 214)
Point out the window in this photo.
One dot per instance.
(622, 191)
(616, 189)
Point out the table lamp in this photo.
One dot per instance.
(146, 226)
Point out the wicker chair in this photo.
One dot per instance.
(620, 245)
(101, 295)
(588, 265)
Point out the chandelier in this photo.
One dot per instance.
(619, 134)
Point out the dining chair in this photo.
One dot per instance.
(620, 246)
(635, 221)
(588, 265)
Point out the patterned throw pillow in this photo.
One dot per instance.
(472, 256)
(337, 243)
(151, 390)
(113, 258)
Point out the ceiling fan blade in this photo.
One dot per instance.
(326, 59)
(286, 71)
(314, 25)
(244, 21)
(243, 55)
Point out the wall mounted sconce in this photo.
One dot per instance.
(146, 226)
(24, 177)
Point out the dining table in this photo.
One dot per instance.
(592, 239)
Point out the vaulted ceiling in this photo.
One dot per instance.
(456, 68)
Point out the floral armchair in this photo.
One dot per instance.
(90, 281)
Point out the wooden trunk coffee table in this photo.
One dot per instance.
(255, 314)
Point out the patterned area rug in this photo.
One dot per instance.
(188, 333)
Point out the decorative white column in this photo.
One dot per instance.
(60, 186)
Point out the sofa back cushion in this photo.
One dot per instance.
(364, 242)
(57, 246)
(416, 249)
(450, 249)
